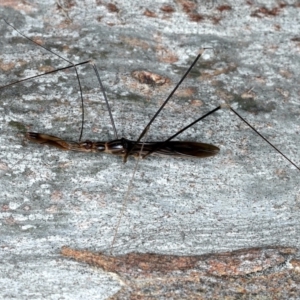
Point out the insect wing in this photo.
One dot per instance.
(188, 149)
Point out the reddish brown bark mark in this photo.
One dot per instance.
(222, 8)
(112, 8)
(263, 12)
(214, 276)
(167, 9)
(149, 78)
(149, 13)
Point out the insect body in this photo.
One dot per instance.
(121, 147)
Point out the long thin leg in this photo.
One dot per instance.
(166, 101)
(106, 100)
(263, 138)
(236, 113)
(46, 73)
(72, 65)
(182, 130)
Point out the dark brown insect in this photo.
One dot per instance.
(124, 147)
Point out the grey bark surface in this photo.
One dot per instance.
(247, 196)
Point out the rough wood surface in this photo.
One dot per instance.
(246, 197)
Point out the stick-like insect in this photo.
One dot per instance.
(124, 147)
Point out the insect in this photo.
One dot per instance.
(124, 147)
(82, 146)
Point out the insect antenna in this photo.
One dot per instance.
(72, 65)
